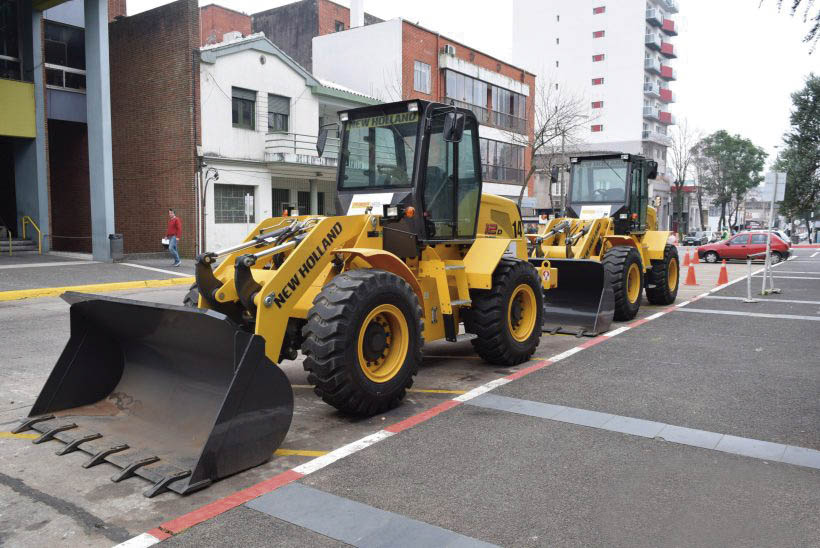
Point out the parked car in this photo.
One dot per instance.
(776, 231)
(742, 245)
(695, 237)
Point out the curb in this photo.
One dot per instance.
(115, 286)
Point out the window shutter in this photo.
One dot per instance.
(240, 93)
(279, 104)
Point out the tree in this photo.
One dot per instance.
(558, 119)
(729, 166)
(800, 158)
(682, 155)
(813, 33)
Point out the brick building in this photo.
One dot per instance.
(407, 61)
(215, 21)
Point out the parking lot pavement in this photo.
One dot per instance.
(471, 473)
(693, 428)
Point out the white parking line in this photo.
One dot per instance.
(762, 300)
(813, 255)
(793, 277)
(177, 273)
(755, 314)
(41, 265)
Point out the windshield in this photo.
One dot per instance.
(599, 181)
(378, 151)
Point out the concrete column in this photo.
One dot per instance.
(98, 102)
(314, 197)
(30, 165)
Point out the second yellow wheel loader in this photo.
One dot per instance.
(609, 220)
(183, 396)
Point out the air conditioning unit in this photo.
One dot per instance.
(448, 50)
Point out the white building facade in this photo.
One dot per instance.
(261, 114)
(616, 57)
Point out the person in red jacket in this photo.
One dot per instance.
(174, 233)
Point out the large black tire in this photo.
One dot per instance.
(333, 331)
(664, 278)
(618, 263)
(191, 298)
(494, 319)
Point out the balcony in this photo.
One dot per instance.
(668, 50)
(666, 118)
(509, 122)
(58, 76)
(652, 113)
(669, 27)
(653, 41)
(656, 137)
(654, 16)
(668, 73)
(671, 5)
(667, 95)
(652, 89)
(481, 113)
(299, 150)
(652, 65)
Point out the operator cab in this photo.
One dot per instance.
(416, 164)
(611, 185)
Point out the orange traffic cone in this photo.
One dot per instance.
(686, 259)
(723, 277)
(690, 276)
(695, 259)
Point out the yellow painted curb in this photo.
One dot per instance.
(295, 452)
(19, 436)
(91, 288)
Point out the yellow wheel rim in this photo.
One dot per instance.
(383, 343)
(633, 283)
(521, 313)
(672, 274)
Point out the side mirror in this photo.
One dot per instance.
(554, 174)
(321, 141)
(453, 127)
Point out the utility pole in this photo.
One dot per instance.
(767, 268)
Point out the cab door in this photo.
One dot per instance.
(737, 247)
(638, 197)
(452, 183)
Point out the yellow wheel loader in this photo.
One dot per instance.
(609, 220)
(185, 395)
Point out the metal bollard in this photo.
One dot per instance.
(749, 298)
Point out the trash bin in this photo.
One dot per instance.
(116, 246)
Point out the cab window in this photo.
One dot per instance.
(740, 240)
(760, 239)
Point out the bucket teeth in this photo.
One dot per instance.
(100, 456)
(162, 485)
(49, 434)
(131, 469)
(27, 424)
(75, 444)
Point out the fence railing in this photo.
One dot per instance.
(300, 149)
(65, 77)
(29, 221)
(481, 113)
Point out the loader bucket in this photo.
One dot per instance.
(179, 396)
(583, 302)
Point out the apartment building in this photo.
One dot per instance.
(617, 58)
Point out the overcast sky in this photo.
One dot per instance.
(736, 67)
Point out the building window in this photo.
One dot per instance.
(556, 85)
(501, 161)
(509, 109)
(597, 81)
(9, 42)
(557, 40)
(243, 106)
(421, 77)
(468, 93)
(278, 112)
(339, 26)
(557, 18)
(598, 58)
(599, 9)
(556, 64)
(64, 53)
(597, 128)
(597, 104)
(598, 34)
(229, 203)
(280, 199)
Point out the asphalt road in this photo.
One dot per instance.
(479, 474)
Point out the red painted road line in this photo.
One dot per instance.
(219, 506)
(159, 534)
(531, 369)
(421, 417)
(636, 323)
(593, 342)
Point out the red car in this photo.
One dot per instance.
(741, 246)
